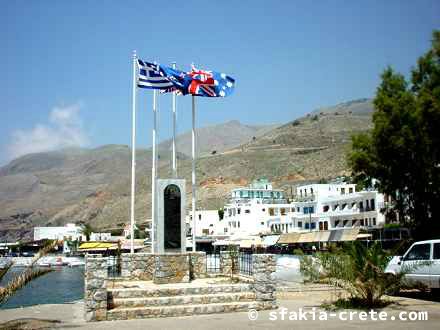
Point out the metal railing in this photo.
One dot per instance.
(113, 266)
(213, 263)
(245, 263)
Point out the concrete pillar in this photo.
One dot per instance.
(95, 286)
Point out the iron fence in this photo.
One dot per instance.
(213, 263)
(245, 263)
(113, 266)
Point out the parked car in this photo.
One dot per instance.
(421, 261)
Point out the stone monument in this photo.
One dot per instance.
(170, 227)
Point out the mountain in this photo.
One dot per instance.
(93, 185)
(216, 137)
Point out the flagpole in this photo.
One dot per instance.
(174, 130)
(133, 155)
(193, 176)
(153, 175)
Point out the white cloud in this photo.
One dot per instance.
(63, 129)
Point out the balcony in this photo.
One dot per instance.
(308, 198)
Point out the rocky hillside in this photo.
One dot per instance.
(217, 138)
(93, 186)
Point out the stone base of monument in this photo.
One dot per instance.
(175, 284)
(171, 268)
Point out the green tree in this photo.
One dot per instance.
(402, 150)
(87, 230)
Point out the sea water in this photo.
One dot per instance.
(62, 285)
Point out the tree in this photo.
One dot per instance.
(402, 151)
(87, 230)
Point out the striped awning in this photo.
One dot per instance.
(97, 246)
(339, 235)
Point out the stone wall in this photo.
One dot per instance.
(263, 268)
(171, 268)
(142, 266)
(95, 287)
(137, 266)
(227, 262)
(197, 266)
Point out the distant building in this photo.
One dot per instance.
(206, 222)
(96, 237)
(335, 206)
(69, 231)
(260, 209)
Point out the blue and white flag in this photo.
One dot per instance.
(153, 76)
(196, 82)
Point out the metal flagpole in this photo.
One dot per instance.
(174, 130)
(133, 154)
(193, 176)
(153, 175)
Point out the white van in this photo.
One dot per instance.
(425, 253)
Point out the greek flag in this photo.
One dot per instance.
(152, 76)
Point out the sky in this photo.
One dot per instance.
(67, 74)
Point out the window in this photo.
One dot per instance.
(306, 226)
(200, 216)
(238, 224)
(313, 225)
(247, 211)
(311, 191)
(283, 211)
(342, 191)
(225, 230)
(297, 209)
(419, 252)
(436, 251)
(211, 225)
(372, 204)
(262, 223)
(337, 223)
(374, 221)
(300, 224)
(205, 231)
(271, 211)
(343, 206)
(362, 222)
(325, 208)
(345, 223)
(238, 211)
(350, 190)
(264, 210)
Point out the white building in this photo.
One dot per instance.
(257, 209)
(260, 209)
(206, 222)
(96, 237)
(69, 231)
(335, 206)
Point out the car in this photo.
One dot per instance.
(421, 262)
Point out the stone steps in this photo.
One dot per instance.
(119, 293)
(182, 300)
(179, 310)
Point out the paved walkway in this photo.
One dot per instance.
(71, 316)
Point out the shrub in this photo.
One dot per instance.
(298, 252)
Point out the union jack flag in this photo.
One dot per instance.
(209, 83)
(196, 82)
